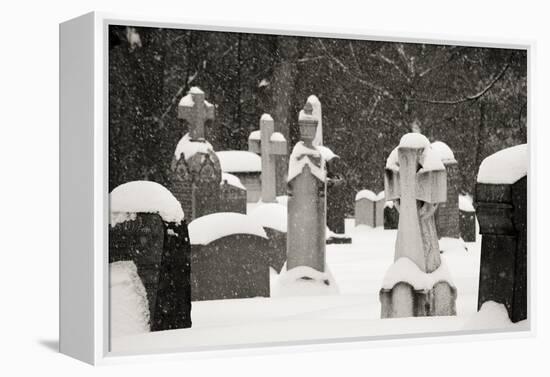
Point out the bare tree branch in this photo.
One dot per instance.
(346, 69)
(473, 97)
(392, 63)
(358, 66)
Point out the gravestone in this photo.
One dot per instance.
(196, 171)
(306, 199)
(232, 194)
(369, 208)
(447, 214)
(467, 218)
(228, 257)
(391, 215)
(247, 167)
(273, 218)
(270, 145)
(417, 284)
(147, 228)
(336, 205)
(501, 208)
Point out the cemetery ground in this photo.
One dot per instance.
(358, 269)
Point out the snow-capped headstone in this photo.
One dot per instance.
(467, 218)
(306, 200)
(273, 218)
(415, 179)
(391, 215)
(229, 257)
(501, 209)
(369, 208)
(232, 194)
(247, 167)
(337, 199)
(196, 111)
(270, 145)
(147, 228)
(447, 214)
(196, 171)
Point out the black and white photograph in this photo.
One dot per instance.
(277, 189)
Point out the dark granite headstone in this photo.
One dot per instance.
(234, 266)
(502, 214)
(173, 309)
(336, 200)
(447, 216)
(160, 252)
(196, 183)
(232, 198)
(467, 221)
(391, 216)
(276, 252)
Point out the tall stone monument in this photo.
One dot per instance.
(270, 146)
(306, 199)
(417, 284)
(196, 171)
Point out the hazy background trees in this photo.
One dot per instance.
(474, 99)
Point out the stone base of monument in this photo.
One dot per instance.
(467, 222)
(391, 216)
(335, 238)
(409, 292)
(304, 281)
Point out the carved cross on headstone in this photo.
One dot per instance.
(196, 111)
(271, 144)
(416, 181)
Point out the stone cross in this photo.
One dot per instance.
(306, 200)
(270, 145)
(416, 188)
(196, 111)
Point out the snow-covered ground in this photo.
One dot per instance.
(358, 270)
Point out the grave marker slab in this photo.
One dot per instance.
(232, 194)
(467, 218)
(447, 214)
(391, 215)
(147, 228)
(369, 208)
(228, 257)
(501, 208)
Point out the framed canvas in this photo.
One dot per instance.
(234, 188)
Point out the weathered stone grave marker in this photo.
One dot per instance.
(369, 208)
(391, 215)
(467, 218)
(196, 111)
(196, 171)
(247, 167)
(417, 284)
(306, 199)
(501, 207)
(147, 228)
(447, 214)
(228, 257)
(269, 146)
(232, 194)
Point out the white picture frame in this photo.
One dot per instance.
(84, 325)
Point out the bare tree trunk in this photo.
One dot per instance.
(283, 89)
